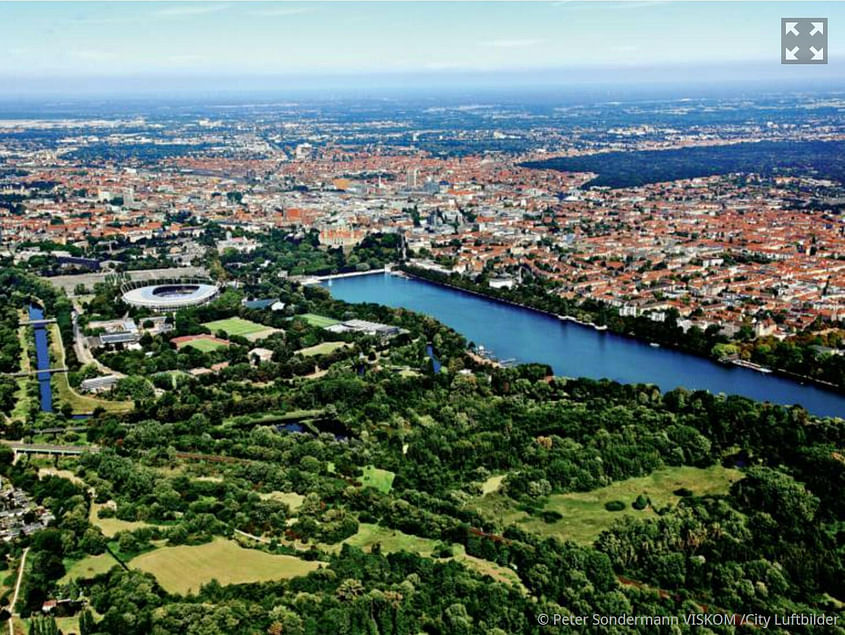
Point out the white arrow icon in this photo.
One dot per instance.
(818, 27)
(790, 28)
(817, 54)
(790, 54)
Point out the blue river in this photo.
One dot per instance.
(42, 359)
(573, 350)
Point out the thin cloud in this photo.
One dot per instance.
(186, 59)
(281, 11)
(189, 10)
(511, 44)
(92, 55)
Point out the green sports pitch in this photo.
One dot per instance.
(206, 346)
(318, 320)
(235, 326)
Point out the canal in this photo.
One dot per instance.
(42, 359)
(511, 332)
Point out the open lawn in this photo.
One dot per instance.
(291, 499)
(80, 404)
(275, 417)
(584, 516)
(89, 567)
(322, 349)
(204, 343)
(64, 624)
(318, 320)
(492, 484)
(23, 403)
(390, 540)
(393, 540)
(236, 326)
(380, 479)
(52, 471)
(186, 568)
(111, 526)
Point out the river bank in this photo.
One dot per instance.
(803, 379)
(509, 330)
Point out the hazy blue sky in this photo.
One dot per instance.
(127, 39)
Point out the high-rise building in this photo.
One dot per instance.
(411, 180)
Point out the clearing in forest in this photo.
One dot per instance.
(186, 568)
(583, 514)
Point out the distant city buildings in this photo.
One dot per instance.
(724, 250)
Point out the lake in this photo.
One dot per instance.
(572, 350)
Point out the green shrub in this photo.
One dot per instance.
(641, 503)
(614, 506)
(550, 516)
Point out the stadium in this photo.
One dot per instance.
(169, 295)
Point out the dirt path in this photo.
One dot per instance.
(17, 590)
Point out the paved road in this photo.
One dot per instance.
(266, 541)
(83, 353)
(17, 590)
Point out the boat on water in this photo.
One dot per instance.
(654, 344)
(751, 365)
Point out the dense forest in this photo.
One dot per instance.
(821, 159)
(471, 499)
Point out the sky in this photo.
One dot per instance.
(120, 44)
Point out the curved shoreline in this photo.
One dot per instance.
(799, 379)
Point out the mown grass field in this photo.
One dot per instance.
(393, 540)
(584, 514)
(318, 320)
(52, 471)
(110, 526)
(492, 484)
(23, 402)
(64, 624)
(89, 567)
(291, 499)
(322, 349)
(382, 480)
(206, 345)
(186, 568)
(80, 404)
(390, 540)
(236, 326)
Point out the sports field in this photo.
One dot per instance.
(318, 320)
(204, 343)
(235, 326)
(186, 568)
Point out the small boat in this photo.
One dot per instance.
(654, 344)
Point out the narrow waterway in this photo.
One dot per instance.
(511, 332)
(42, 359)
